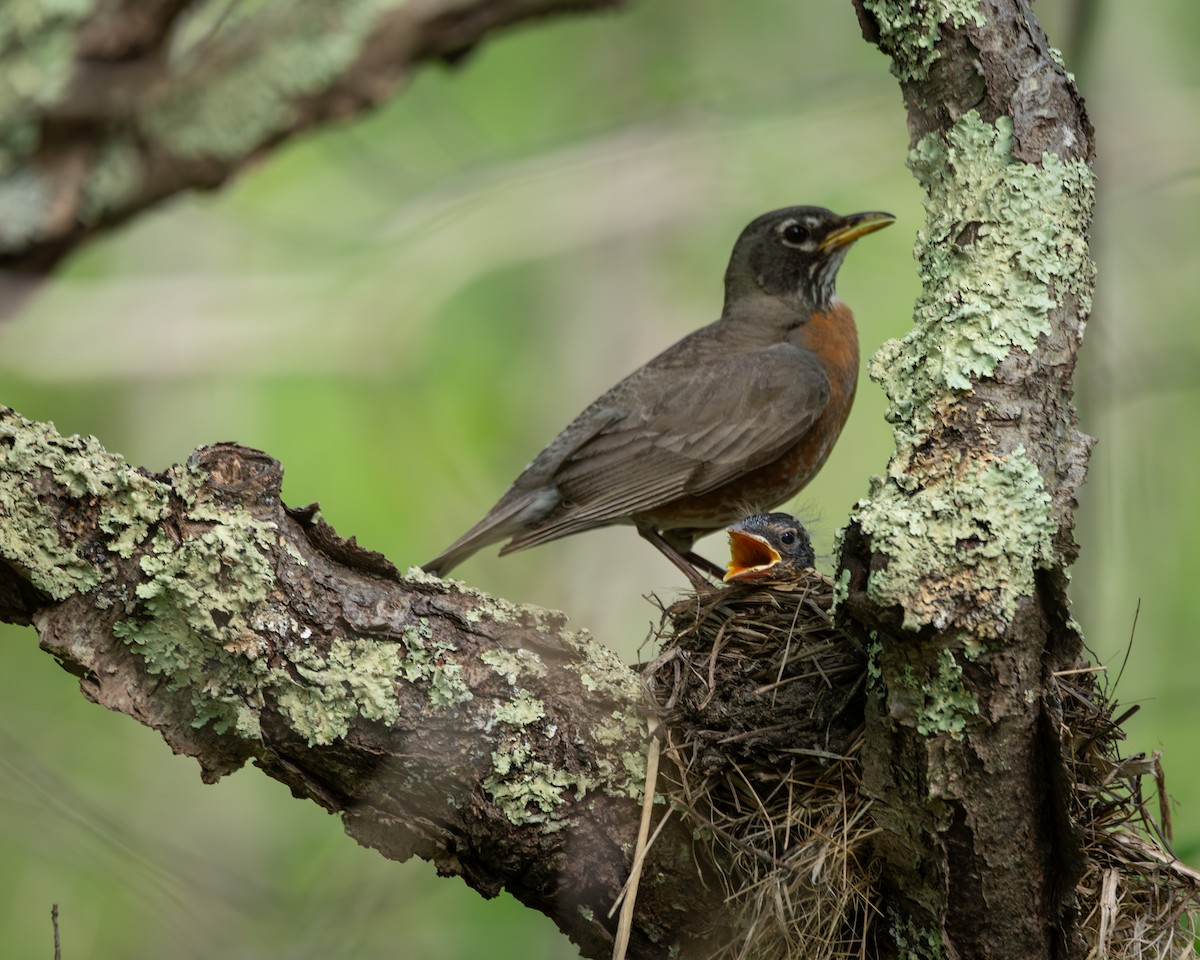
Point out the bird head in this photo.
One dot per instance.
(768, 545)
(794, 254)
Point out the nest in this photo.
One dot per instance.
(768, 773)
(1137, 900)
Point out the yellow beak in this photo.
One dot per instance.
(856, 225)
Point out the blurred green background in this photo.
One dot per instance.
(404, 309)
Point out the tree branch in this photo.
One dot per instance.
(110, 108)
(436, 721)
(956, 561)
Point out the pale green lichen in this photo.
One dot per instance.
(965, 528)
(29, 536)
(25, 199)
(293, 551)
(1057, 56)
(418, 575)
(37, 47)
(609, 734)
(225, 110)
(529, 790)
(432, 662)
(83, 470)
(909, 31)
(513, 664)
(841, 586)
(204, 611)
(356, 678)
(114, 179)
(970, 539)
(602, 670)
(520, 711)
(874, 657)
(948, 705)
(189, 623)
(1003, 243)
(915, 943)
(526, 789)
(128, 517)
(603, 673)
(486, 608)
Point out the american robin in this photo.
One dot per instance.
(771, 546)
(741, 412)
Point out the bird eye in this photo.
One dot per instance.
(795, 234)
(788, 537)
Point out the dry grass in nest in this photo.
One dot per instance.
(769, 769)
(763, 700)
(1136, 900)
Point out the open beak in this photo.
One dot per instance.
(856, 225)
(750, 557)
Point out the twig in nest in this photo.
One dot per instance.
(627, 898)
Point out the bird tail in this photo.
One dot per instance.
(451, 557)
(507, 517)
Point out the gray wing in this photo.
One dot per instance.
(684, 436)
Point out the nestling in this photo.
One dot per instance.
(768, 546)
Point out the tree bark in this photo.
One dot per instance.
(954, 567)
(488, 738)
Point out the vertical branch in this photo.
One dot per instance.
(954, 566)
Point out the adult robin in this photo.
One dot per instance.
(740, 413)
(768, 546)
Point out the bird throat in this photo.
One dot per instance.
(822, 274)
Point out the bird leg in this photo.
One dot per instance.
(686, 563)
(712, 569)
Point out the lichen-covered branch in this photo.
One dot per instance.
(108, 107)
(955, 563)
(436, 721)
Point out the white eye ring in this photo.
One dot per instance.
(794, 233)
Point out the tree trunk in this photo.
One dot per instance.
(954, 566)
